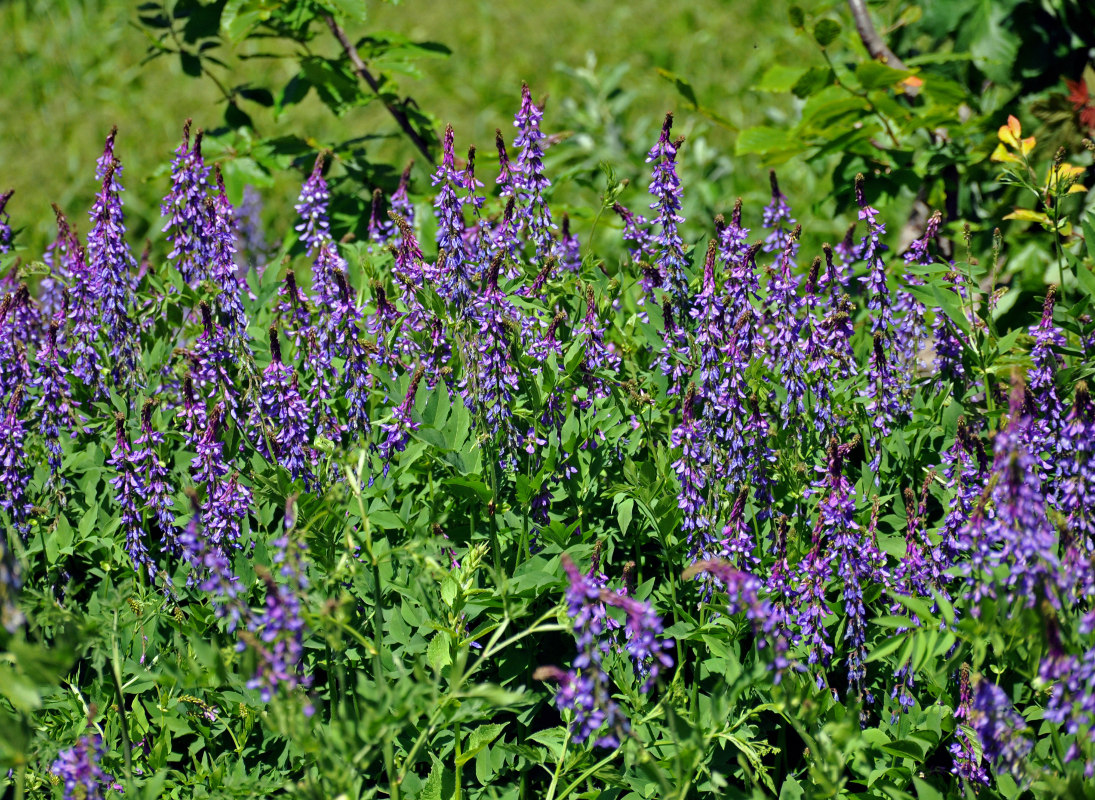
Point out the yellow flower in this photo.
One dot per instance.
(1010, 135)
(1064, 177)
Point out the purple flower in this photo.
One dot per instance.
(313, 227)
(777, 217)
(692, 472)
(15, 468)
(221, 236)
(287, 416)
(1013, 529)
(277, 632)
(396, 432)
(967, 759)
(157, 478)
(454, 273)
(1077, 466)
(5, 222)
(743, 591)
(78, 769)
(570, 250)
(131, 494)
(1000, 729)
(112, 266)
(211, 568)
(529, 181)
(596, 356)
(666, 188)
(186, 211)
(54, 402)
(252, 249)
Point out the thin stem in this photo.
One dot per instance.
(363, 72)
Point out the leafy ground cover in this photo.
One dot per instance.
(441, 500)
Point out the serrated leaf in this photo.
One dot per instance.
(478, 739)
(438, 653)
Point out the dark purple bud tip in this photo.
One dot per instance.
(774, 183)
(7, 196)
(859, 198)
(735, 216)
(492, 272)
(566, 225)
(146, 414)
(378, 196)
(207, 317)
(275, 345)
(667, 126)
(343, 286)
(119, 429)
(198, 143)
(471, 159)
(815, 271)
(186, 131)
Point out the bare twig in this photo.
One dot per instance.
(870, 38)
(363, 72)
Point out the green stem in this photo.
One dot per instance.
(116, 674)
(459, 790)
(558, 768)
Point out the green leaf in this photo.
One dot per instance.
(478, 739)
(779, 78)
(339, 88)
(765, 139)
(813, 80)
(683, 87)
(925, 791)
(796, 16)
(624, 510)
(873, 75)
(826, 31)
(438, 653)
(468, 487)
(431, 790)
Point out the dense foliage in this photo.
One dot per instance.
(460, 508)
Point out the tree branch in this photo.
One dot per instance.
(870, 38)
(363, 72)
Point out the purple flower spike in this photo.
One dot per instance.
(397, 432)
(78, 769)
(15, 469)
(112, 268)
(1000, 729)
(221, 241)
(287, 416)
(185, 210)
(277, 632)
(312, 206)
(455, 274)
(744, 597)
(131, 493)
(666, 188)
(967, 759)
(777, 217)
(529, 181)
(5, 222)
(54, 402)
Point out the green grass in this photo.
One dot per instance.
(72, 69)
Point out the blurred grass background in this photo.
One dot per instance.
(73, 68)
